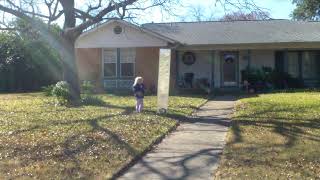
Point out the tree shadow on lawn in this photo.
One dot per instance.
(291, 128)
(72, 146)
(126, 111)
(268, 141)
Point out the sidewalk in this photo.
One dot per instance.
(193, 150)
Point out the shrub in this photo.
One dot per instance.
(282, 80)
(61, 92)
(266, 78)
(87, 87)
(47, 90)
(92, 100)
(88, 98)
(254, 76)
(27, 64)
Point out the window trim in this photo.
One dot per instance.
(134, 63)
(103, 63)
(118, 63)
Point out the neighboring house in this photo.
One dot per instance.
(112, 54)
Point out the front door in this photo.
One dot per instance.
(229, 63)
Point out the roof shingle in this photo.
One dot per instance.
(238, 32)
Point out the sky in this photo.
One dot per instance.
(278, 9)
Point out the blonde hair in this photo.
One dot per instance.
(137, 79)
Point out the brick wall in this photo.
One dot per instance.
(147, 63)
(89, 65)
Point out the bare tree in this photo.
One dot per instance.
(240, 9)
(240, 5)
(254, 15)
(198, 13)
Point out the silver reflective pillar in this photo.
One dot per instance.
(164, 80)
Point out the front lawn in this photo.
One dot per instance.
(274, 136)
(41, 141)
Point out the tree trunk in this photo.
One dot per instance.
(70, 68)
(69, 59)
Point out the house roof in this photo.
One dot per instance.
(238, 32)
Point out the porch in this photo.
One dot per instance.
(209, 69)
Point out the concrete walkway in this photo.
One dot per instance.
(193, 150)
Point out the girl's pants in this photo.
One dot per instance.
(139, 105)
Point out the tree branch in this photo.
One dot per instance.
(99, 17)
(33, 13)
(92, 8)
(83, 15)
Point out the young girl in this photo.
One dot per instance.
(138, 90)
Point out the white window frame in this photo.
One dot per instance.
(103, 62)
(133, 61)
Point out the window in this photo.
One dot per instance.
(110, 69)
(110, 62)
(127, 69)
(309, 65)
(299, 64)
(293, 64)
(127, 61)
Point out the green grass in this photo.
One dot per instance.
(274, 136)
(41, 141)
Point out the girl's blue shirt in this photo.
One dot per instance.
(138, 91)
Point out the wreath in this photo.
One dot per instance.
(188, 58)
(229, 59)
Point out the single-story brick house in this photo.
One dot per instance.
(113, 53)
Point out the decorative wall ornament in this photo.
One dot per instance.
(188, 58)
(117, 30)
(229, 58)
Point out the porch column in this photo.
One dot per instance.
(286, 57)
(164, 80)
(217, 69)
(249, 58)
(300, 65)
